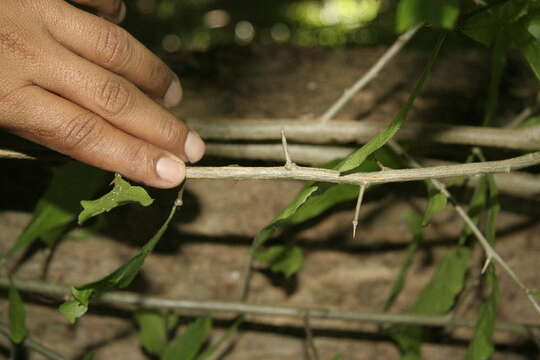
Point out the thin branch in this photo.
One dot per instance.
(311, 349)
(33, 345)
(349, 131)
(128, 300)
(380, 177)
(371, 74)
(488, 249)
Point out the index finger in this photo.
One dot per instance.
(113, 48)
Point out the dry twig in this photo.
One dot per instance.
(129, 300)
(349, 131)
(371, 74)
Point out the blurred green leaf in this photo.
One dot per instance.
(59, 206)
(73, 310)
(188, 344)
(517, 21)
(535, 292)
(481, 346)
(533, 27)
(121, 194)
(414, 223)
(152, 330)
(17, 315)
(231, 332)
(283, 259)
(338, 357)
(437, 298)
(447, 282)
(89, 356)
(436, 203)
(118, 279)
(532, 121)
(441, 13)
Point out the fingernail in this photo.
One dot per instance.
(194, 147)
(122, 13)
(170, 170)
(174, 94)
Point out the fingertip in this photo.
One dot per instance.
(171, 172)
(194, 147)
(173, 96)
(122, 14)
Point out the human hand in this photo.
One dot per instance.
(83, 86)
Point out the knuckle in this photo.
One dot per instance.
(81, 132)
(172, 132)
(113, 47)
(113, 97)
(140, 161)
(161, 76)
(14, 40)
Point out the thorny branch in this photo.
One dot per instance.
(380, 177)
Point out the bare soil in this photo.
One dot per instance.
(204, 253)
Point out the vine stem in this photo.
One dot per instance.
(371, 74)
(491, 254)
(129, 300)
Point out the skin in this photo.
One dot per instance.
(81, 85)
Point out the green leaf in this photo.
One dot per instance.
(89, 356)
(535, 292)
(73, 310)
(17, 315)
(152, 330)
(118, 279)
(531, 52)
(437, 298)
(436, 203)
(283, 259)
(440, 13)
(414, 223)
(283, 219)
(59, 206)
(481, 346)
(121, 194)
(534, 27)
(187, 345)
(231, 332)
(356, 159)
(338, 357)
(532, 121)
